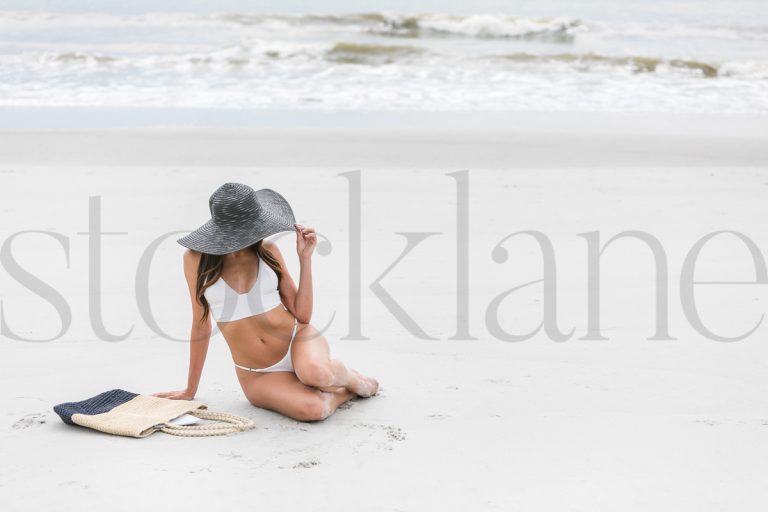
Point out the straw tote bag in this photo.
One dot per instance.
(129, 414)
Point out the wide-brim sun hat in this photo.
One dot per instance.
(240, 217)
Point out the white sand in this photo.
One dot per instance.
(621, 424)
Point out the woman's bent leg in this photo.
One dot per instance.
(283, 392)
(314, 367)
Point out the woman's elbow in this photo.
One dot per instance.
(201, 332)
(303, 317)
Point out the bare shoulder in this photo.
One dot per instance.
(191, 256)
(270, 246)
(191, 260)
(274, 250)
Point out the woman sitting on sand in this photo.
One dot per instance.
(282, 362)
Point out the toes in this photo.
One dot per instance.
(370, 387)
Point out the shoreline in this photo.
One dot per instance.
(83, 118)
(424, 140)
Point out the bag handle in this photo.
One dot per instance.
(227, 424)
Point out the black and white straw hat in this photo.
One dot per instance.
(241, 217)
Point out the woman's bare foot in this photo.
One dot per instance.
(363, 386)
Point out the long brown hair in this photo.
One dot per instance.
(210, 267)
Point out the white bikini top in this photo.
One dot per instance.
(227, 305)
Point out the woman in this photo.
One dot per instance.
(241, 280)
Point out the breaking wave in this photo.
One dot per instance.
(637, 64)
(414, 25)
(378, 60)
(259, 54)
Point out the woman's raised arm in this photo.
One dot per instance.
(298, 300)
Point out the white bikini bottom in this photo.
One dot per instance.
(283, 365)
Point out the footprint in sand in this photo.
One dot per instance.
(306, 464)
(292, 427)
(393, 433)
(30, 420)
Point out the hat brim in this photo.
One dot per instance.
(275, 216)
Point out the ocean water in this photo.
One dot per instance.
(625, 56)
